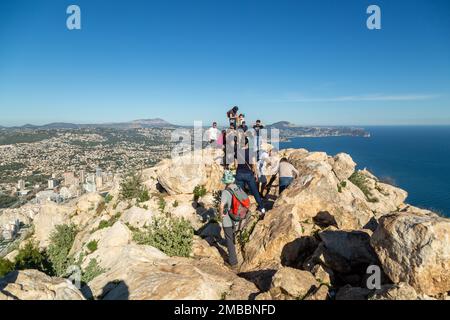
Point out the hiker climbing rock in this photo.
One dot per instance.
(233, 209)
(246, 173)
(287, 173)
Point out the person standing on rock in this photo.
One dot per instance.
(212, 134)
(247, 174)
(233, 116)
(228, 225)
(287, 173)
(258, 127)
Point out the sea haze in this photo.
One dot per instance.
(415, 158)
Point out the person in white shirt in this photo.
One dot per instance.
(212, 133)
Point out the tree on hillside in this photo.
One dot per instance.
(133, 188)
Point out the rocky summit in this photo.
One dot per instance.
(335, 234)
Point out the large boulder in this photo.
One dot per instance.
(49, 216)
(183, 174)
(401, 291)
(292, 283)
(35, 285)
(137, 217)
(343, 166)
(144, 273)
(384, 198)
(414, 247)
(89, 206)
(352, 245)
(311, 197)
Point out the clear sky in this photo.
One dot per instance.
(309, 62)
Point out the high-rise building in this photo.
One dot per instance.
(99, 182)
(52, 183)
(82, 176)
(69, 179)
(21, 184)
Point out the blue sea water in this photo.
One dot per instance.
(414, 158)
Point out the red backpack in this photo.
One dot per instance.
(240, 203)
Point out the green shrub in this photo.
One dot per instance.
(173, 236)
(132, 188)
(143, 196)
(359, 180)
(92, 271)
(92, 245)
(108, 198)
(175, 204)
(108, 223)
(6, 267)
(162, 204)
(199, 191)
(30, 257)
(341, 185)
(61, 241)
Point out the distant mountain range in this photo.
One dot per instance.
(287, 129)
(135, 124)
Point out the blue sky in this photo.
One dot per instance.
(308, 62)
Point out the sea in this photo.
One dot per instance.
(414, 158)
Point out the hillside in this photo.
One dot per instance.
(315, 243)
(135, 124)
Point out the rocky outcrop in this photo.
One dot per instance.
(290, 283)
(88, 206)
(343, 166)
(401, 291)
(183, 174)
(315, 242)
(414, 247)
(137, 217)
(142, 272)
(49, 216)
(35, 285)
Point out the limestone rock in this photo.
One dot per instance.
(401, 291)
(184, 173)
(352, 293)
(137, 217)
(414, 247)
(49, 216)
(88, 206)
(320, 294)
(269, 242)
(343, 166)
(139, 274)
(35, 285)
(352, 245)
(385, 198)
(202, 249)
(323, 274)
(293, 282)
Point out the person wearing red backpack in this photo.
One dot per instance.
(233, 208)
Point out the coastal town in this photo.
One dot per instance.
(61, 164)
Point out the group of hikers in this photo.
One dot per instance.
(248, 162)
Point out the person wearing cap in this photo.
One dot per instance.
(228, 224)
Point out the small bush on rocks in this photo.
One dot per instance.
(61, 241)
(173, 236)
(30, 257)
(6, 267)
